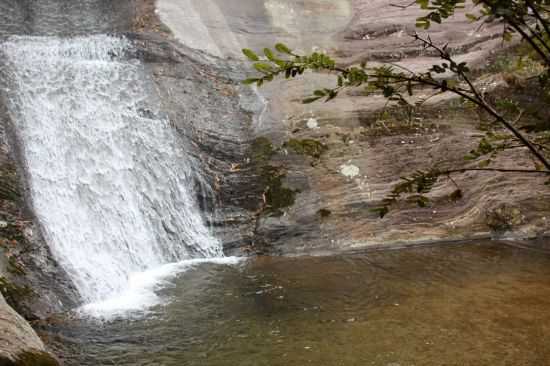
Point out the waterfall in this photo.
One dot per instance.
(109, 180)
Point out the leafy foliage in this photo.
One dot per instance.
(439, 10)
(414, 186)
(527, 18)
(308, 147)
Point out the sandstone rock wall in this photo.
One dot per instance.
(292, 201)
(19, 344)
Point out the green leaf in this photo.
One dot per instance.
(283, 48)
(250, 81)
(456, 195)
(381, 211)
(422, 201)
(484, 163)
(423, 3)
(250, 54)
(472, 17)
(438, 69)
(507, 36)
(452, 83)
(310, 100)
(263, 67)
(436, 17)
(388, 91)
(282, 64)
(463, 68)
(422, 23)
(331, 95)
(269, 54)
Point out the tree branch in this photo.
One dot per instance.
(527, 171)
(539, 17)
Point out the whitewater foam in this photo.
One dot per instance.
(141, 292)
(110, 181)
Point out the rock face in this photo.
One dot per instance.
(27, 268)
(19, 344)
(204, 106)
(30, 279)
(281, 193)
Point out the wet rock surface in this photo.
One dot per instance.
(30, 279)
(365, 153)
(20, 346)
(203, 105)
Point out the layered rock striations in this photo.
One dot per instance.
(314, 172)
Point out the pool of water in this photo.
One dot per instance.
(468, 304)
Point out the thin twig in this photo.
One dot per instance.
(541, 20)
(527, 171)
(480, 101)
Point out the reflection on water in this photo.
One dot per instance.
(482, 304)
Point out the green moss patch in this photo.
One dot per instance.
(36, 358)
(277, 196)
(11, 231)
(8, 183)
(307, 147)
(503, 218)
(262, 150)
(13, 293)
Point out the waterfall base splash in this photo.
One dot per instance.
(140, 294)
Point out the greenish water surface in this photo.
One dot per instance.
(468, 304)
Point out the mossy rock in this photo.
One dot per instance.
(262, 150)
(504, 218)
(37, 358)
(31, 358)
(9, 230)
(9, 190)
(14, 294)
(307, 147)
(277, 196)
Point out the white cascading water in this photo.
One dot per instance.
(109, 180)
